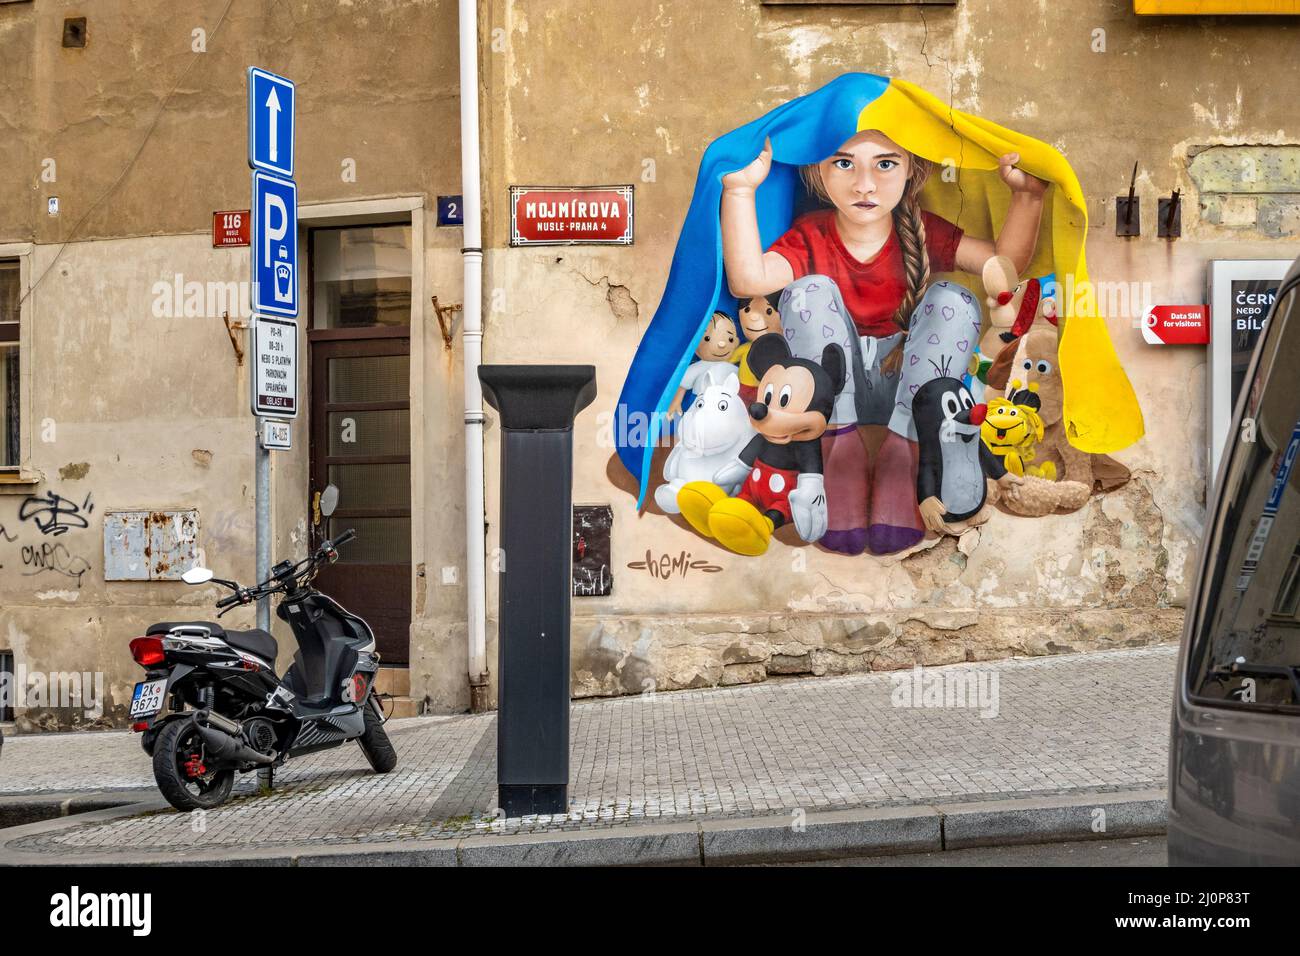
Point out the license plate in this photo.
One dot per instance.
(148, 697)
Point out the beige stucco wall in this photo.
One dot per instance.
(131, 411)
(139, 401)
(582, 98)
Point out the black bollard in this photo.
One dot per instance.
(537, 404)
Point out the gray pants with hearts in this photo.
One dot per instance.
(945, 329)
(813, 315)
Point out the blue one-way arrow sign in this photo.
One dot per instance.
(270, 122)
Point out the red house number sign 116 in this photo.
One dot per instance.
(230, 228)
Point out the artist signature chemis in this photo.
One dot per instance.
(672, 565)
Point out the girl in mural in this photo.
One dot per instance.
(858, 274)
(879, 247)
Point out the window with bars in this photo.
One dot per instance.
(10, 299)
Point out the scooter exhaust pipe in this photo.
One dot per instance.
(226, 744)
(213, 719)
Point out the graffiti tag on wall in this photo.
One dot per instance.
(40, 518)
(55, 515)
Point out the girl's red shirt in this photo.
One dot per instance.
(872, 290)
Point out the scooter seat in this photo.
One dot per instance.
(256, 641)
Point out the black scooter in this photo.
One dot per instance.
(228, 713)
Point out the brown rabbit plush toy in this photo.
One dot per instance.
(1080, 474)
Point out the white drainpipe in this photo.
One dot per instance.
(472, 340)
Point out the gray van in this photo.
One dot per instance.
(1234, 756)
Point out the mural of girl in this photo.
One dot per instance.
(879, 247)
(910, 188)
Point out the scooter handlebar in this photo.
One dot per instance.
(272, 585)
(229, 601)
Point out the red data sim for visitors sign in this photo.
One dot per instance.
(563, 215)
(1177, 325)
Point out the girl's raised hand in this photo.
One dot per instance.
(1019, 180)
(752, 176)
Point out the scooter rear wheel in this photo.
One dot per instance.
(177, 759)
(374, 742)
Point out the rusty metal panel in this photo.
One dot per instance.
(173, 544)
(149, 545)
(592, 526)
(124, 545)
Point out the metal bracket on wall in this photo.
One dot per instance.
(1171, 216)
(234, 340)
(1128, 212)
(446, 322)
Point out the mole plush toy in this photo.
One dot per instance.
(956, 472)
(782, 465)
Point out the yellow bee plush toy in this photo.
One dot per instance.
(1013, 427)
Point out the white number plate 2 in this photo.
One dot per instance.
(148, 697)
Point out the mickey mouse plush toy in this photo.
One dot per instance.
(782, 465)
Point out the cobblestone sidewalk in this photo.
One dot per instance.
(1063, 725)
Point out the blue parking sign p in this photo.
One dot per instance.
(270, 122)
(274, 244)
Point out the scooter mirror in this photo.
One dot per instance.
(329, 500)
(197, 575)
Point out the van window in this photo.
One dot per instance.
(1245, 651)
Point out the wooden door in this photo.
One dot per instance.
(361, 443)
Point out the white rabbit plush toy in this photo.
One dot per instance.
(713, 432)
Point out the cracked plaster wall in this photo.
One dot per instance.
(582, 99)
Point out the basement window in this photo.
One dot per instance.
(8, 691)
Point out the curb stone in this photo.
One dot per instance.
(839, 833)
(836, 833)
(17, 809)
(639, 845)
(1054, 819)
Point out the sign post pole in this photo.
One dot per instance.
(262, 492)
(274, 285)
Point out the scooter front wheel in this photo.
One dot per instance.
(182, 777)
(374, 742)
